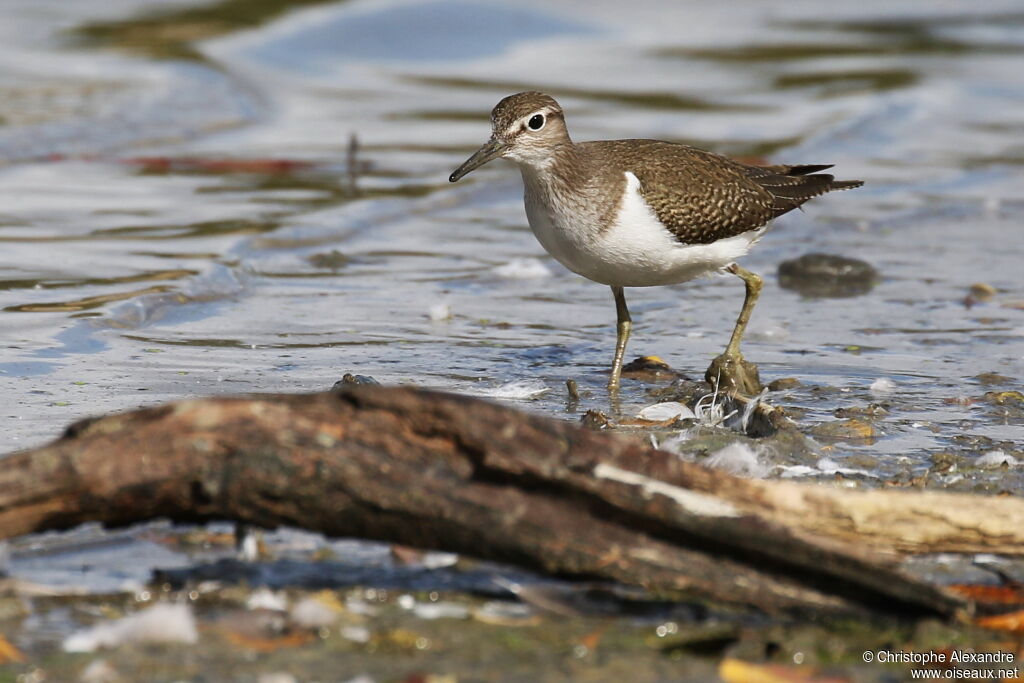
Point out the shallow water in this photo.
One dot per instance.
(183, 213)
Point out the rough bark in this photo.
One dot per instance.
(441, 471)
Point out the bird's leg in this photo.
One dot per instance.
(622, 329)
(730, 371)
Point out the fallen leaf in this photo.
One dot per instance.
(1012, 621)
(9, 653)
(1003, 595)
(258, 643)
(738, 671)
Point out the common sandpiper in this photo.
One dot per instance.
(640, 213)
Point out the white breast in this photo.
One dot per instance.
(636, 251)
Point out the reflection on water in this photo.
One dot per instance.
(251, 196)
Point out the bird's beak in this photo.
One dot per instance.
(491, 149)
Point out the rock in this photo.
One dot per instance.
(827, 275)
(783, 383)
(943, 462)
(1003, 398)
(348, 380)
(649, 369)
(992, 379)
(868, 412)
(682, 390)
(595, 419)
(845, 430)
(333, 260)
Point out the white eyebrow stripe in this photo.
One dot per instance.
(521, 122)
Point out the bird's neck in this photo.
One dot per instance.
(560, 174)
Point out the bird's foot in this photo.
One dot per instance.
(732, 372)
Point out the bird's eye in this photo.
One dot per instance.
(536, 122)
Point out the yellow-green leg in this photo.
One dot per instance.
(731, 371)
(623, 326)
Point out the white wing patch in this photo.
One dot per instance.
(639, 251)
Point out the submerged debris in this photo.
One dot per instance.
(573, 389)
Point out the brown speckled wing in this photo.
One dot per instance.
(703, 197)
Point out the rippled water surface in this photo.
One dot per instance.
(237, 196)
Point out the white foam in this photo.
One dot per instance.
(161, 623)
(313, 613)
(793, 471)
(740, 459)
(523, 269)
(277, 677)
(440, 610)
(99, 671)
(882, 386)
(829, 466)
(264, 598)
(440, 312)
(528, 388)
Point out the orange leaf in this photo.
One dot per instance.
(738, 671)
(267, 644)
(1006, 595)
(9, 653)
(1011, 621)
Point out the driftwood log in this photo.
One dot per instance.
(441, 471)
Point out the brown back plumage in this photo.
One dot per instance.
(702, 197)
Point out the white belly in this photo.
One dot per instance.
(637, 250)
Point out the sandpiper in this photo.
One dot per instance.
(640, 213)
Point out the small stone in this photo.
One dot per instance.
(827, 276)
(784, 383)
(982, 292)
